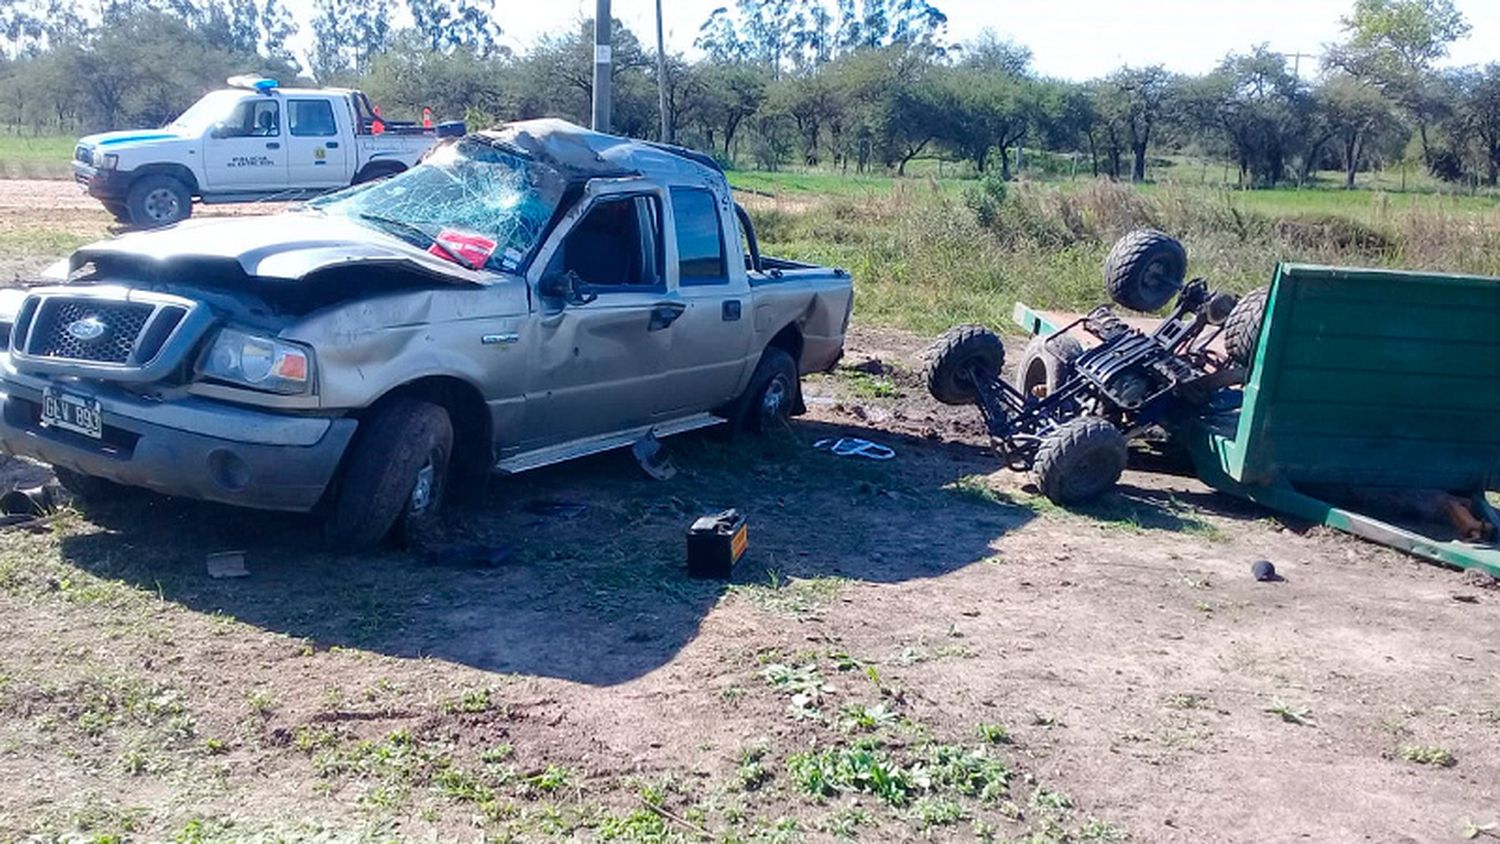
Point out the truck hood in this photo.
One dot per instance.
(286, 247)
(112, 141)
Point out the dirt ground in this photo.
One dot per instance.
(919, 648)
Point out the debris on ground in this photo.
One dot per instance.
(653, 458)
(227, 564)
(1264, 571)
(715, 543)
(471, 555)
(1479, 579)
(855, 447)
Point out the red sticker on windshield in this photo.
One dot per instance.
(463, 248)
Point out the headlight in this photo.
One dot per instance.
(109, 161)
(258, 362)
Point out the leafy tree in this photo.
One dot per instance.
(1394, 44)
(1136, 100)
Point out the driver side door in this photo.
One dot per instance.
(599, 360)
(247, 151)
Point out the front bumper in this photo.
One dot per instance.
(102, 184)
(189, 447)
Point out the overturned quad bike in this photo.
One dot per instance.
(1081, 394)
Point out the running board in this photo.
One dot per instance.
(529, 460)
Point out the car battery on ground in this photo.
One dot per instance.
(715, 543)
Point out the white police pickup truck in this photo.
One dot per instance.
(251, 141)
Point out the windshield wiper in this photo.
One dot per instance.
(422, 235)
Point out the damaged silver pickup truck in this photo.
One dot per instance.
(525, 296)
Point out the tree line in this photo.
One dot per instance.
(861, 85)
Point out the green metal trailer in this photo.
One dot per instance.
(1362, 379)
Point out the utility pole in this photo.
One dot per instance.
(602, 64)
(661, 78)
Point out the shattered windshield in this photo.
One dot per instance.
(474, 203)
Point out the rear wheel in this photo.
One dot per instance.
(119, 210)
(395, 477)
(158, 201)
(1047, 366)
(955, 358)
(1144, 270)
(774, 393)
(1080, 460)
(1242, 329)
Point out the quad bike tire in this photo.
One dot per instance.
(1047, 366)
(1144, 270)
(1080, 460)
(951, 357)
(394, 477)
(1242, 329)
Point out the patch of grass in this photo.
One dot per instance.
(1425, 754)
(471, 701)
(864, 769)
(1187, 700)
(752, 772)
(968, 772)
(260, 701)
(930, 812)
(867, 717)
(866, 386)
(553, 778)
(1290, 713)
(993, 733)
(793, 597)
(846, 822)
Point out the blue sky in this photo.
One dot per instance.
(1075, 39)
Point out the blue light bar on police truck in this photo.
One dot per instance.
(254, 83)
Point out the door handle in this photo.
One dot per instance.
(273, 145)
(665, 314)
(332, 145)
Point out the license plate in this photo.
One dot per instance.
(70, 412)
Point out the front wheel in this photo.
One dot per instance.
(395, 476)
(158, 201)
(1046, 367)
(1242, 329)
(88, 488)
(1080, 460)
(1144, 270)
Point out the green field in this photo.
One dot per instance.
(35, 157)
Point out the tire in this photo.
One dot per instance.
(404, 443)
(1041, 367)
(1080, 460)
(376, 172)
(774, 394)
(119, 210)
(1144, 270)
(951, 356)
(88, 488)
(158, 201)
(1242, 329)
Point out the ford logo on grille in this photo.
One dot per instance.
(88, 328)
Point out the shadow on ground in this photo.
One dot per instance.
(601, 597)
(598, 598)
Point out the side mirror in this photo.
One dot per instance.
(217, 131)
(566, 286)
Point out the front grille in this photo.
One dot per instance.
(84, 155)
(122, 322)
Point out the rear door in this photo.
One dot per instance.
(247, 151)
(710, 342)
(316, 155)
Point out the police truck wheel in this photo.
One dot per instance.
(158, 201)
(1242, 329)
(1047, 365)
(1080, 460)
(1144, 270)
(955, 356)
(119, 210)
(395, 476)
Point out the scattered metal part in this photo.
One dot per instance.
(1264, 571)
(652, 457)
(226, 564)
